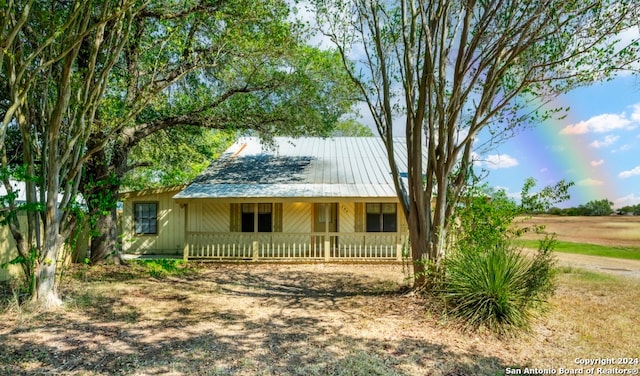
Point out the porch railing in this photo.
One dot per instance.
(330, 246)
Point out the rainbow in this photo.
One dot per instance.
(568, 156)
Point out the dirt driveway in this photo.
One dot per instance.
(608, 265)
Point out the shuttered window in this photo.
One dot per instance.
(250, 214)
(382, 217)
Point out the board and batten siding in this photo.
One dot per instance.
(170, 237)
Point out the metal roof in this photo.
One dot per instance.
(300, 167)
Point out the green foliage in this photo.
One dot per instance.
(351, 128)
(595, 208)
(542, 201)
(489, 282)
(598, 207)
(28, 266)
(162, 268)
(498, 288)
(175, 156)
(630, 210)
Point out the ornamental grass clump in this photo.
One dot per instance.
(499, 288)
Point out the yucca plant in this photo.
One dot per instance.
(499, 288)
(489, 282)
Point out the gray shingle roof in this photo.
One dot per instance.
(301, 167)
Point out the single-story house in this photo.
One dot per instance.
(295, 199)
(8, 251)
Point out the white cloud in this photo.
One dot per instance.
(597, 163)
(624, 147)
(588, 182)
(497, 161)
(599, 124)
(635, 115)
(631, 199)
(607, 141)
(543, 170)
(629, 173)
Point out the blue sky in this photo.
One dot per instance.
(597, 146)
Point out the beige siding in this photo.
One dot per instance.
(209, 217)
(170, 237)
(296, 217)
(8, 250)
(346, 217)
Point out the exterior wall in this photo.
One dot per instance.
(170, 237)
(8, 250)
(296, 217)
(210, 217)
(346, 217)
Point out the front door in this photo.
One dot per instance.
(325, 219)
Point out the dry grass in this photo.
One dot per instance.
(609, 230)
(299, 320)
(314, 319)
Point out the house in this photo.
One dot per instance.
(294, 199)
(8, 251)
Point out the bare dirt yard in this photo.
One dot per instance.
(306, 319)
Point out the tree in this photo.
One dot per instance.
(252, 73)
(450, 69)
(541, 201)
(57, 65)
(87, 81)
(597, 208)
(352, 128)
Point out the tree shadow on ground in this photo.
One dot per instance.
(300, 323)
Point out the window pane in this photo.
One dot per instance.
(373, 222)
(146, 218)
(388, 208)
(264, 208)
(390, 222)
(265, 222)
(247, 222)
(247, 208)
(373, 208)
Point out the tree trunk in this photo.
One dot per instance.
(101, 186)
(104, 242)
(46, 295)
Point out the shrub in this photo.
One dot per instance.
(159, 268)
(499, 288)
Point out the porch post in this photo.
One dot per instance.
(327, 240)
(255, 231)
(255, 247)
(398, 246)
(185, 248)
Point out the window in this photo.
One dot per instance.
(146, 218)
(263, 217)
(382, 217)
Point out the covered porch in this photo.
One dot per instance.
(319, 246)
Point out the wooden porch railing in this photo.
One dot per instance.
(330, 246)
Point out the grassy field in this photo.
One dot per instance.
(628, 253)
(610, 231)
(308, 319)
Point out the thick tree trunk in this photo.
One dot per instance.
(104, 242)
(101, 186)
(46, 295)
